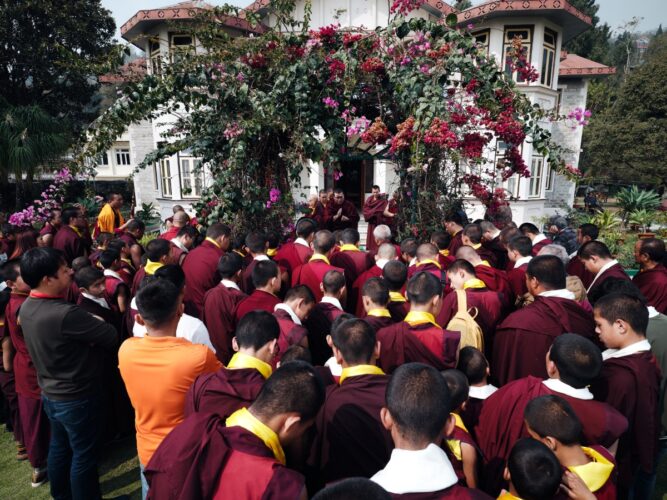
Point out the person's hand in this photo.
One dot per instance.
(574, 487)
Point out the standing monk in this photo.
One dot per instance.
(373, 211)
(294, 254)
(454, 226)
(342, 213)
(70, 237)
(585, 233)
(491, 241)
(110, 219)
(598, 260)
(312, 273)
(134, 231)
(536, 237)
(50, 228)
(350, 258)
(652, 277)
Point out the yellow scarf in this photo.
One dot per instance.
(429, 261)
(243, 418)
(484, 263)
(454, 444)
(355, 371)
(211, 240)
(379, 313)
(396, 297)
(596, 473)
(444, 253)
(271, 252)
(76, 230)
(151, 267)
(477, 246)
(349, 247)
(414, 318)
(319, 256)
(506, 495)
(474, 283)
(241, 360)
(239, 252)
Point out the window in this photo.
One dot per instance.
(551, 174)
(122, 156)
(179, 45)
(548, 58)
(526, 35)
(191, 177)
(165, 176)
(536, 167)
(103, 159)
(155, 56)
(155, 177)
(482, 40)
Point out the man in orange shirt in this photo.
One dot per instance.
(159, 368)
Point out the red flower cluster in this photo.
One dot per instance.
(254, 60)
(471, 86)
(441, 52)
(295, 52)
(326, 34)
(517, 165)
(458, 119)
(477, 187)
(506, 127)
(473, 144)
(350, 39)
(404, 7)
(377, 133)
(373, 65)
(404, 136)
(438, 134)
(336, 68)
(518, 61)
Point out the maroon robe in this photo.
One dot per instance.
(311, 275)
(608, 490)
(131, 241)
(523, 339)
(487, 255)
(348, 210)
(354, 263)
(69, 243)
(112, 288)
(470, 415)
(499, 252)
(24, 369)
(137, 279)
(354, 303)
(170, 233)
(653, 285)
(576, 268)
(378, 322)
(427, 267)
(457, 492)
(317, 214)
(246, 278)
(47, 228)
(257, 300)
(318, 325)
(464, 437)
(292, 255)
(223, 392)
(402, 343)
(219, 314)
(373, 212)
(595, 290)
(176, 254)
(351, 440)
(496, 281)
(455, 243)
(501, 423)
(398, 310)
(201, 458)
(540, 245)
(517, 279)
(631, 385)
(201, 274)
(290, 332)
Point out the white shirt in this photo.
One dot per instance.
(333, 301)
(563, 293)
(652, 312)
(188, 328)
(301, 241)
(381, 263)
(523, 260)
(482, 392)
(416, 471)
(99, 300)
(261, 257)
(230, 284)
(288, 310)
(333, 366)
(538, 238)
(558, 385)
(180, 245)
(112, 273)
(413, 262)
(602, 270)
(641, 346)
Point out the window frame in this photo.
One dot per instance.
(486, 45)
(165, 168)
(191, 178)
(103, 159)
(535, 184)
(123, 157)
(155, 55)
(548, 53)
(507, 43)
(176, 50)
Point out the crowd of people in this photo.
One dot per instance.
(491, 361)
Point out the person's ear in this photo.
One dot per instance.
(139, 320)
(385, 418)
(550, 442)
(239, 273)
(506, 474)
(322, 287)
(290, 424)
(235, 344)
(329, 341)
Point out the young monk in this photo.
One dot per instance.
(256, 245)
(266, 279)
(242, 456)
(375, 297)
(475, 367)
(116, 291)
(395, 274)
(533, 472)
(312, 272)
(291, 314)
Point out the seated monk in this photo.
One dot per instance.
(386, 253)
(350, 258)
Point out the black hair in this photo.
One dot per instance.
(300, 292)
(350, 236)
(256, 329)
(70, 213)
(441, 239)
(590, 230)
(158, 301)
(549, 270)
(355, 339)
(462, 265)
(521, 244)
(551, 415)
(578, 360)
(333, 281)
(422, 287)
(324, 241)
(305, 227)
(256, 242)
(86, 276)
(11, 270)
(456, 217)
(173, 273)
(409, 247)
(594, 248)
(395, 273)
(473, 364)
(108, 257)
(263, 272)
(104, 238)
(273, 239)
(216, 230)
(624, 307)
(188, 230)
(458, 386)
(134, 225)
(427, 250)
(117, 244)
(377, 290)
(353, 488)
(473, 232)
(229, 264)
(80, 262)
(39, 263)
(340, 319)
(653, 248)
(157, 248)
(534, 469)
(296, 352)
(528, 228)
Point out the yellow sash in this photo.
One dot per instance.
(596, 473)
(355, 371)
(474, 283)
(414, 318)
(243, 418)
(454, 444)
(348, 247)
(506, 495)
(429, 261)
(211, 240)
(76, 230)
(396, 297)
(477, 246)
(241, 360)
(151, 267)
(444, 253)
(271, 252)
(319, 256)
(484, 263)
(379, 313)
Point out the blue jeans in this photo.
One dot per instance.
(72, 462)
(144, 483)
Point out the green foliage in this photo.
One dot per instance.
(632, 199)
(147, 238)
(149, 214)
(643, 218)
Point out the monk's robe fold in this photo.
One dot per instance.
(425, 343)
(517, 280)
(311, 275)
(353, 262)
(487, 255)
(523, 339)
(354, 304)
(292, 255)
(452, 446)
(71, 244)
(290, 332)
(499, 252)
(496, 281)
(398, 309)
(318, 325)
(455, 243)
(653, 285)
(201, 274)
(540, 245)
(218, 314)
(595, 290)
(576, 268)
(373, 212)
(348, 210)
(428, 267)
(257, 300)
(379, 322)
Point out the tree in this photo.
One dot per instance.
(462, 4)
(50, 53)
(594, 43)
(628, 141)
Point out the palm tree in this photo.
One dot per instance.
(30, 138)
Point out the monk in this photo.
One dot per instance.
(50, 228)
(116, 292)
(441, 240)
(237, 386)
(519, 251)
(573, 363)
(386, 253)
(395, 274)
(630, 382)
(419, 338)
(291, 314)
(70, 238)
(311, 273)
(101, 243)
(585, 233)
(373, 212)
(201, 266)
(182, 243)
(652, 277)
(126, 271)
(527, 457)
(351, 440)
(350, 258)
(134, 231)
(375, 297)
(537, 239)
(178, 221)
(506, 235)
(472, 237)
(242, 456)
(220, 303)
(597, 260)
(491, 241)
(417, 410)
(427, 261)
(494, 279)
(341, 213)
(157, 253)
(475, 367)
(266, 280)
(256, 246)
(523, 339)
(454, 222)
(381, 235)
(294, 254)
(110, 220)
(408, 253)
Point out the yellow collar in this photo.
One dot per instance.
(239, 252)
(128, 262)
(444, 253)
(319, 256)
(484, 263)
(76, 230)
(474, 283)
(454, 445)
(596, 473)
(396, 297)
(414, 318)
(429, 261)
(151, 267)
(243, 418)
(379, 312)
(349, 247)
(355, 371)
(241, 360)
(271, 252)
(211, 240)
(506, 495)
(477, 246)
(459, 421)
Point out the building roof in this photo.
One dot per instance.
(560, 12)
(435, 6)
(574, 65)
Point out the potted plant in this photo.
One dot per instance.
(631, 199)
(643, 218)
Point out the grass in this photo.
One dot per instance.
(119, 472)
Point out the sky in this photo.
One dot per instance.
(613, 12)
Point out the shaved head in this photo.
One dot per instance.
(387, 251)
(468, 253)
(180, 219)
(427, 251)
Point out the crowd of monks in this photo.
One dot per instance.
(486, 362)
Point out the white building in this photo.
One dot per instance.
(544, 26)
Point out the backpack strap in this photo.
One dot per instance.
(461, 299)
